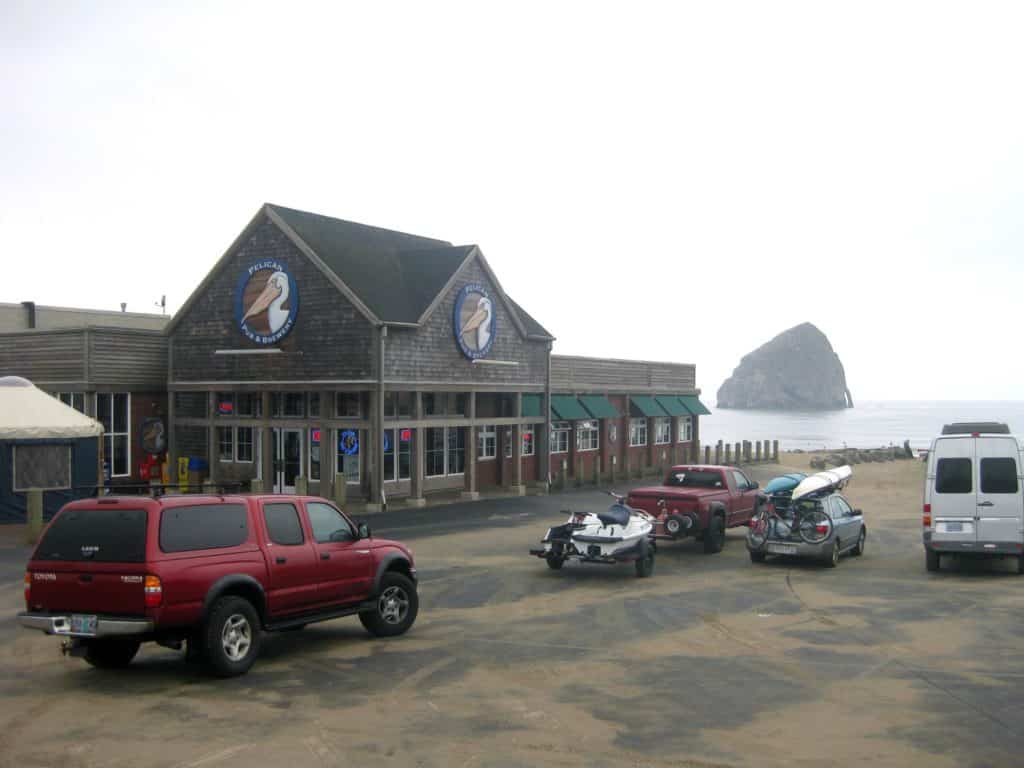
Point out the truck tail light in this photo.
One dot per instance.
(28, 587)
(154, 591)
(926, 518)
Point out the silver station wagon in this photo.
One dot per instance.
(808, 519)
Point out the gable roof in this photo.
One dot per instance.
(392, 277)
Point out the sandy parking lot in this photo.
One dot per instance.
(714, 661)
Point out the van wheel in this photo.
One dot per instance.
(394, 608)
(757, 556)
(931, 560)
(112, 653)
(714, 539)
(231, 637)
(1020, 564)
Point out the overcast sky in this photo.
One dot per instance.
(663, 181)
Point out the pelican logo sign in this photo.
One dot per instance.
(474, 321)
(266, 302)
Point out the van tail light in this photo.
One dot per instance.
(154, 591)
(28, 588)
(926, 518)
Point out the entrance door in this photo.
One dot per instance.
(287, 458)
(999, 492)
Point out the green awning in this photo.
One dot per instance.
(599, 407)
(531, 405)
(647, 406)
(672, 405)
(568, 408)
(693, 404)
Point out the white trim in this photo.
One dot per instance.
(663, 421)
(252, 444)
(231, 431)
(482, 432)
(247, 351)
(638, 422)
(127, 435)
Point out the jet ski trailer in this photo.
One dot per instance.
(620, 534)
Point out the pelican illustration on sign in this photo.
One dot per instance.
(475, 321)
(267, 302)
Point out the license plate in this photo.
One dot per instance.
(782, 549)
(83, 625)
(955, 528)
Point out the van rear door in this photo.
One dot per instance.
(1000, 504)
(954, 503)
(91, 561)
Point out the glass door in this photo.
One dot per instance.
(287, 458)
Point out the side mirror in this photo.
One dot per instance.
(754, 484)
(364, 531)
(858, 512)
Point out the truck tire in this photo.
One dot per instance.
(111, 653)
(394, 608)
(231, 636)
(714, 537)
(931, 560)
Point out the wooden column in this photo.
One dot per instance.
(417, 456)
(212, 446)
(267, 437)
(517, 449)
(470, 492)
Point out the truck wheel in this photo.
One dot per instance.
(931, 560)
(756, 556)
(714, 538)
(395, 607)
(231, 637)
(111, 653)
(645, 565)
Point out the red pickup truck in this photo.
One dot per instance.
(214, 572)
(700, 501)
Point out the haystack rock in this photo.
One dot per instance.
(798, 369)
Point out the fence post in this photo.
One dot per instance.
(562, 475)
(597, 469)
(775, 450)
(746, 450)
(757, 450)
(615, 460)
(739, 456)
(707, 454)
(301, 486)
(579, 471)
(255, 485)
(33, 515)
(728, 454)
(695, 452)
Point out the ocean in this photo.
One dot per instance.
(871, 424)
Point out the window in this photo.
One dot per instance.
(528, 442)
(487, 442)
(203, 526)
(587, 436)
(637, 432)
(47, 467)
(283, 526)
(248, 404)
(348, 455)
(662, 431)
(328, 524)
(560, 437)
(397, 404)
(742, 483)
(999, 475)
(75, 399)
(288, 405)
(314, 404)
(243, 444)
(695, 479)
(685, 429)
(434, 445)
(115, 535)
(953, 476)
(225, 404)
(508, 442)
(444, 403)
(404, 444)
(314, 453)
(226, 443)
(456, 462)
(113, 411)
(840, 508)
(348, 405)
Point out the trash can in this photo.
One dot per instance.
(197, 471)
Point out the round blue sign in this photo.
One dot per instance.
(348, 442)
(266, 302)
(475, 322)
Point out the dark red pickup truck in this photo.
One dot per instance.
(700, 501)
(214, 572)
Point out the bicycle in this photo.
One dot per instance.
(811, 523)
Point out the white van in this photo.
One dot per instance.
(973, 503)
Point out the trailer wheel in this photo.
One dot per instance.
(555, 562)
(645, 564)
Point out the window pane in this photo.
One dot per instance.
(103, 411)
(117, 535)
(283, 525)
(528, 442)
(953, 476)
(225, 440)
(314, 453)
(348, 454)
(42, 466)
(328, 524)
(225, 404)
(434, 444)
(244, 446)
(314, 404)
(203, 526)
(404, 453)
(120, 466)
(456, 450)
(389, 454)
(998, 475)
(121, 412)
(294, 404)
(405, 403)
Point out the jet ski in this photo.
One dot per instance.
(620, 534)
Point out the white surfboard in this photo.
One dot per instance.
(830, 479)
